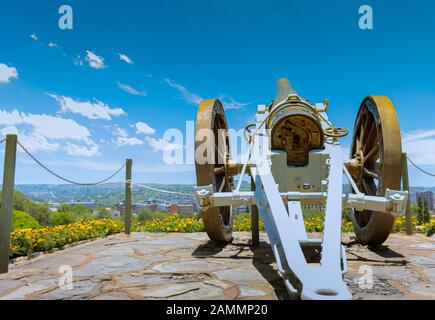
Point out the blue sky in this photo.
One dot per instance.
(80, 113)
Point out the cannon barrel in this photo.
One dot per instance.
(283, 91)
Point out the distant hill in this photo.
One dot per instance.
(109, 194)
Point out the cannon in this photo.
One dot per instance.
(295, 159)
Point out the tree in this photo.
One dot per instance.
(79, 212)
(21, 219)
(426, 214)
(102, 213)
(62, 218)
(38, 211)
(423, 214)
(419, 210)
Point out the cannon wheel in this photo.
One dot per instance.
(211, 116)
(377, 148)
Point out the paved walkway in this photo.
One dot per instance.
(188, 266)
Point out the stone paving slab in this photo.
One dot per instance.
(188, 266)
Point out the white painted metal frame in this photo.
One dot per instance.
(283, 219)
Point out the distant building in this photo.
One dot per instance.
(172, 208)
(88, 204)
(428, 195)
(137, 207)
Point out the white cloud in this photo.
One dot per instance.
(194, 99)
(82, 151)
(78, 61)
(9, 130)
(129, 89)
(123, 138)
(34, 36)
(420, 146)
(94, 60)
(10, 118)
(119, 132)
(127, 141)
(34, 141)
(7, 73)
(43, 132)
(124, 58)
(52, 45)
(229, 103)
(162, 145)
(49, 126)
(91, 110)
(144, 128)
(189, 97)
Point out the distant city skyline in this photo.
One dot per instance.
(84, 100)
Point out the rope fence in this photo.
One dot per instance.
(65, 179)
(164, 191)
(422, 170)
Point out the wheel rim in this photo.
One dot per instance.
(211, 116)
(376, 147)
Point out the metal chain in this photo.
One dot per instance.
(422, 170)
(62, 178)
(164, 191)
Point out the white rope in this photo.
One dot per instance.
(65, 179)
(164, 191)
(422, 170)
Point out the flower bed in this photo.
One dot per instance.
(27, 241)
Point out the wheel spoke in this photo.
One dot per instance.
(372, 152)
(370, 174)
(219, 170)
(222, 185)
(371, 138)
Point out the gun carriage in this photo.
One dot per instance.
(295, 159)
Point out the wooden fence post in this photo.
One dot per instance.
(128, 187)
(7, 203)
(405, 181)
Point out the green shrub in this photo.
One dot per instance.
(429, 228)
(62, 218)
(21, 219)
(145, 215)
(38, 211)
(102, 213)
(80, 212)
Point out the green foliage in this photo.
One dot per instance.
(102, 213)
(146, 215)
(79, 212)
(309, 214)
(423, 215)
(21, 219)
(429, 229)
(62, 218)
(38, 211)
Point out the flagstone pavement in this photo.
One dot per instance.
(188, 266)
